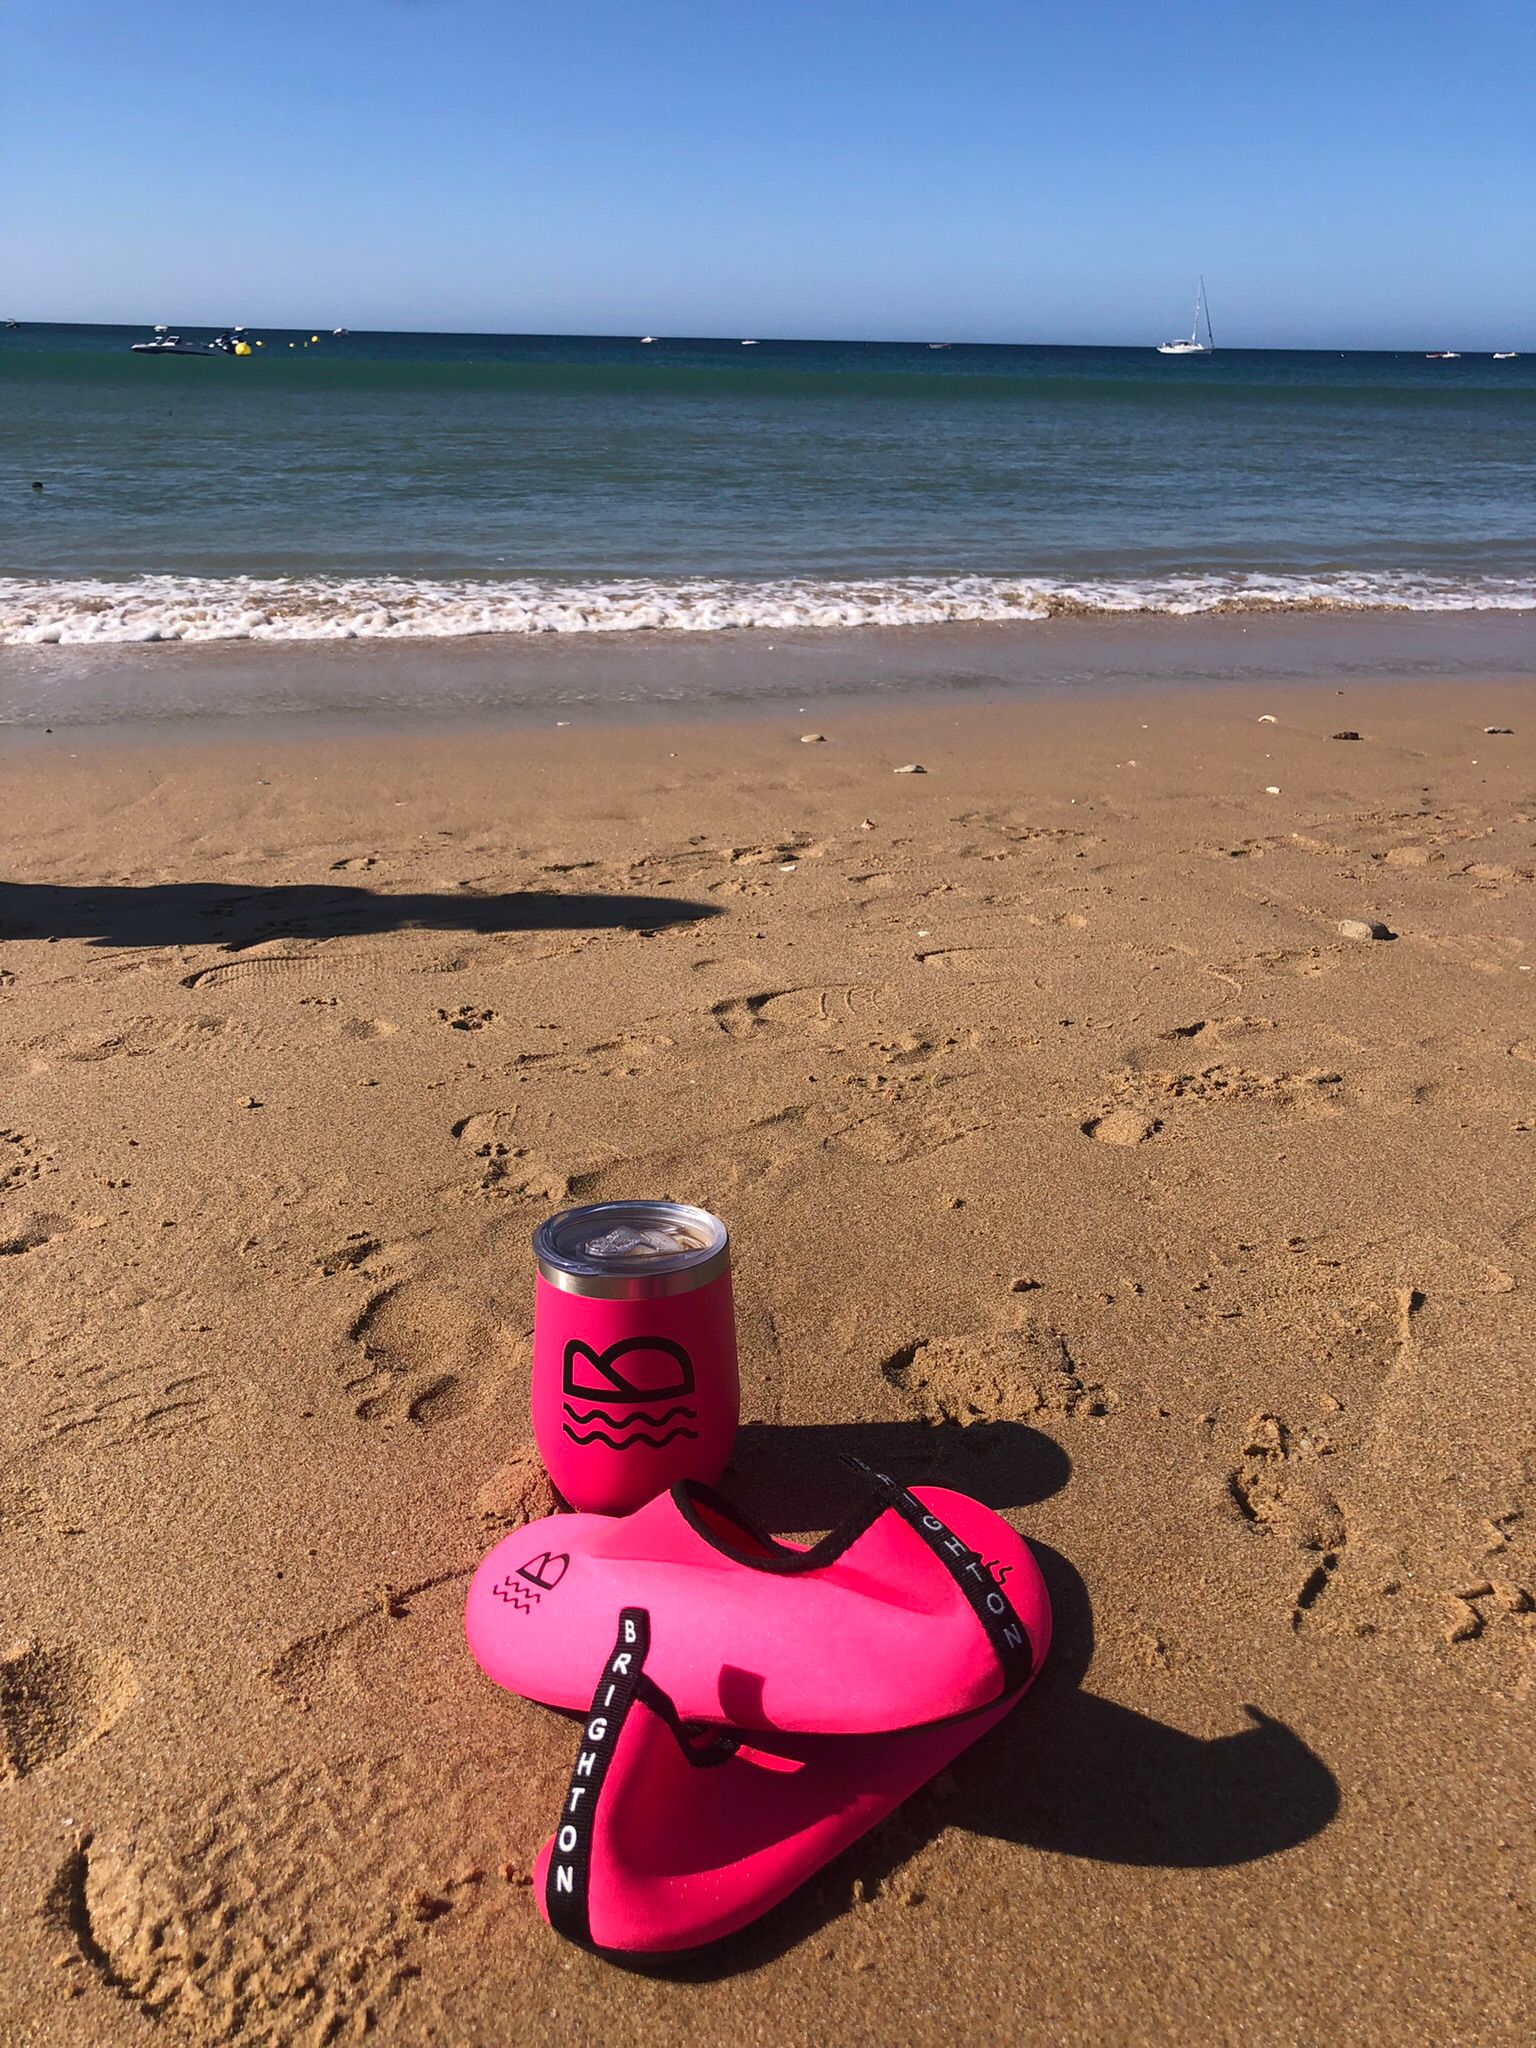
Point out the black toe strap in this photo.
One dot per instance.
(568, 1875)
(991, 1605)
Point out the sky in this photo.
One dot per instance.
(1350, 173)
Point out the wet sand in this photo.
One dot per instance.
(1073, 1157)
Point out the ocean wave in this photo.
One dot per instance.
(179, 609)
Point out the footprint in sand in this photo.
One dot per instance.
(803, 1009)
(468, 1017)
(29, 1232)
(56, 1699)
(1148, 1099)
(1017, 830)
(504, 1169)
(328, 958)
(23, 1159)
(1499, 1614)
(425, 1352)
(136, 1038)
(975, 963)
(1279, 1486)
(357, 1250)
(631, 1053)
(1216, 1031)
(290, 1908)
(996, 1376)
(1121, 1127)
(131, 1403)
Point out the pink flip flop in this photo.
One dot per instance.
(922, 1607)
(667, 1842)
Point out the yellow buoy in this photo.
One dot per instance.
(242, 348)
(314, 337)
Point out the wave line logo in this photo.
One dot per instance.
(641, 1396)
(540, 1575)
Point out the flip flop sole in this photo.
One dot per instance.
(682, 1855)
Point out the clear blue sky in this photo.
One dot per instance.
(1356, 172)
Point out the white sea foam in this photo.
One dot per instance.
(189, 608)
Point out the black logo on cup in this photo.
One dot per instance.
(622, 1404)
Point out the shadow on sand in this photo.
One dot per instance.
(1069, 1772)
(219, 914)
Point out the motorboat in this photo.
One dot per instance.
(167, 344)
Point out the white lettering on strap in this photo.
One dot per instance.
(565, 1878)
(565, 1841)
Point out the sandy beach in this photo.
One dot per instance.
(1072, 1155)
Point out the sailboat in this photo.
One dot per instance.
(1194, 346)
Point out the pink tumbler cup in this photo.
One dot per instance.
(634, 1351)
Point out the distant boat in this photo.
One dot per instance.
(941, 344)
(1194, 346)
(646, 339)
(338, 330)
(749, 344)
(1500, 355)
(1443, 355)
(167, 344)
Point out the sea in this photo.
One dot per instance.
(372, 487)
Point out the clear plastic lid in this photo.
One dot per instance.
(629, 1240)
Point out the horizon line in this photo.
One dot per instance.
(327, 333)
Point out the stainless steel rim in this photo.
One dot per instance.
(637, 1286)
(631, 1286)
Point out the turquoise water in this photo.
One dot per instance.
(423, 486)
